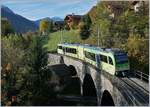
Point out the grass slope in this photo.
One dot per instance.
(71, 36)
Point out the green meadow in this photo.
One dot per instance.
(72, 36)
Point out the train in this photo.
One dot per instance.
(111, 60)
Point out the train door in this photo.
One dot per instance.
(97, 60)
(64, 50)
(110, 65)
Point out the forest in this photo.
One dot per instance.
(127, 29)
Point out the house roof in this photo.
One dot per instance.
(134, 2)
(73, 16)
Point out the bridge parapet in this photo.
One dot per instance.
(53, 59)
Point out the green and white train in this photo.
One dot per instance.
(111, 60)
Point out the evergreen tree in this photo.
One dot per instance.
(85, 26)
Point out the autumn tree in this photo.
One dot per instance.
(101, 23)
(127, 30)
(13, 66)
(137, 48)
(46, 26)
(24, 72)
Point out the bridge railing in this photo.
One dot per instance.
(142, 76)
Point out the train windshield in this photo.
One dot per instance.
(121, 59)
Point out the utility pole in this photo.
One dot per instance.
(98, 36)
(61, 36)
(98, 32)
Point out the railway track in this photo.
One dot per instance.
(139, 86)
(137, 94)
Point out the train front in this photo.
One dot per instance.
(122, 64)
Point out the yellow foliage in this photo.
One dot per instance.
(8, 67)
(81, 24)
(137, 47)
(43, 25)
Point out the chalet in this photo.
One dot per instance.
(114, 8)
(72, 20)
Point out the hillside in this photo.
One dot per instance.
(19, 23)
(71, 36)
(54, 38)
(54, 19)
(57, 19)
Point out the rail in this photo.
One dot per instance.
(142, 75)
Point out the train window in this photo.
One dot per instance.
(110, 61)
(103, 58)
(67, 49)
(89, 55)
(74, 51)
(59, 47)
(63, 49)
(71, 50)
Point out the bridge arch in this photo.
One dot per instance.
(107, 99)
(89, 86)
(72, 70)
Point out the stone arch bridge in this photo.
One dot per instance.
(108, 89)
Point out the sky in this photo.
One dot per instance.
(37, 9)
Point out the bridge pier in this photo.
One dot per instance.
(81, 87)
(98, 98)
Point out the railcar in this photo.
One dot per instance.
(113, 61)
(68, 49)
